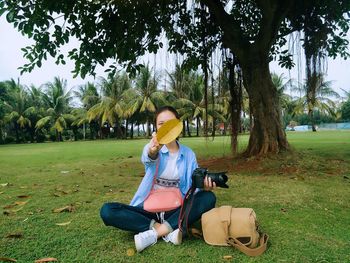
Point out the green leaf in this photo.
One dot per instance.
(10, 17)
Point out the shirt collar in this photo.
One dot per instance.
(165, 149)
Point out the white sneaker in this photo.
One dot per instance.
(145, 239)
(174, 237)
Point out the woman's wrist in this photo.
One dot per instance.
(153, 154)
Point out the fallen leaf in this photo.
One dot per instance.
(21, 203)
(8, 260)
(64, 223)
(23, 196)
(68, 208)
(23, 187)
(14, 204)
(13, 211)
(16, 210)
(62, 191)
(1, 193)
(227, 257)
(45, 260)
(64, 172)
(9, 206)
(6, 184)
(56, 194)
(14, 235)
(130, 252)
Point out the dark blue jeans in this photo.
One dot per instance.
(136, 219)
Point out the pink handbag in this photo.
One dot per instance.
(162, 200)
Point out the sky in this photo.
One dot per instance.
(11, 57)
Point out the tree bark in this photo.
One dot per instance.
(126, 128)
(197, 126)
(235, 108)
(131, 129)
(17, 134)
(183, 128)
(267, 134)
(188, 128)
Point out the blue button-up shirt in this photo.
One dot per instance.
(186, 163)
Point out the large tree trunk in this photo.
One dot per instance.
(267, 134)
(235, 108)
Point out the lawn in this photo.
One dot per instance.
(301, 199)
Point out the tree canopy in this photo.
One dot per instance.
(255, 31)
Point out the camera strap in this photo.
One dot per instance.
(186, 209)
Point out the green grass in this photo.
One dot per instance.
(301, 199)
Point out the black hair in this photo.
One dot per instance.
(166, 108)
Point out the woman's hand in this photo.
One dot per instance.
(154, 146)
(208, 184)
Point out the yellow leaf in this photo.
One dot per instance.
(69, 208)
(227, 257)
(169, 131)
(45, 260)
(63, 224)
(130, 252)
(21, 203)
(8, 259)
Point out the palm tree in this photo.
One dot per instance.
(111, 108)
(145, 97)
(320, 100)
(36, 111)
(282, 87)
(89, 96)
(180, 88)
(57, 99)
(193, 107)
(3, 98)
(286, 102)
(18, 107)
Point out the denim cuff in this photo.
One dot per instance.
(151, 224)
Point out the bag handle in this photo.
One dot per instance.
(155, 174)
(225, 215)
(253, 252)
(154, 178)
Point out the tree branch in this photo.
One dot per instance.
(273, 13)
(233, 34)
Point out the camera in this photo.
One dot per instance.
(199, 174)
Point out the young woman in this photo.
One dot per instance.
(176, 163)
